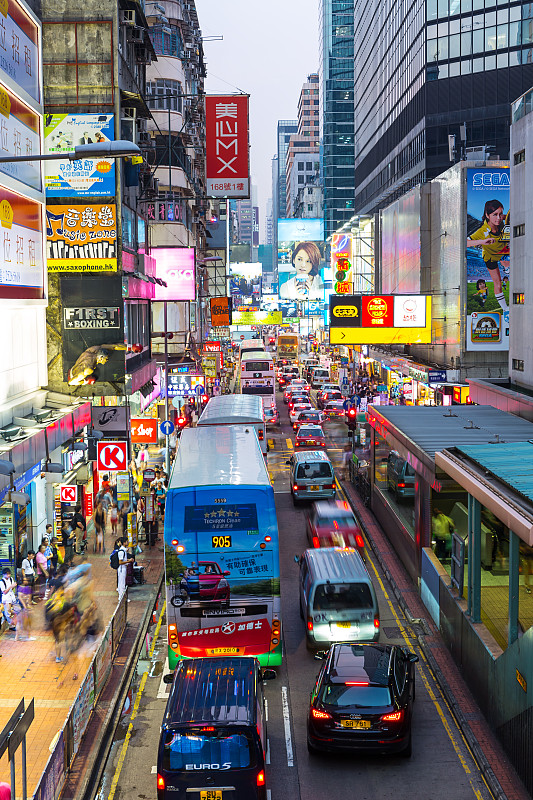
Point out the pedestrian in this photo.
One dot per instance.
(7, 587)
(24, 612)
(79, 526)
(124, 511)
(442, 528)
(42, 571)
(100, 520)
(68, 538)
(54, 560)
(113, 516)
(28, 569)
(123, 560)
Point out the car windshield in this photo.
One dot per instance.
(310, 432)
(318, 469)
(332, 521)
(333, 406)
(199, 751)
(339, 596)
(312, 416)
(338, 695)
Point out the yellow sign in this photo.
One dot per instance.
(386, 335)
(6, 214)
(4, 7)
(256, 318)
(5, 103)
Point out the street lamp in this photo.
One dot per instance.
(121, 148)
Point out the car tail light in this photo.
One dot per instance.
(261, 778)
(260, 435)
(359, 541)
(401, 486)
(160, 783)
(309, 623)
(316, 541)
(316, 714)
(376, 623)
(295, 488)
(394, 716)
(356, 683)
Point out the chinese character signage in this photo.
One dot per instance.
(20, 129)
(380, 319)
(88, 176)
(220, 311)
(19, 38)
(227, 158)
(175, 266)
(165, 210)
(341, 262)
(21, 253)
(81, 238)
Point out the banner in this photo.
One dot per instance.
(81, 238)
(88, 176)
(301, 259)
(21, 258)
(227, 146)
(257, 318)
(175, 266)
(220, 311)
(488, 263)
(380, 319)
(21, 61)
(20, 129)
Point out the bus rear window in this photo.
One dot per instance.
(339, 596)
(258, 366)
(219, 750)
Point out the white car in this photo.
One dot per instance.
(297, 409)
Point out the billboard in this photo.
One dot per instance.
(227, 146)
(257, 318)
(341, 262)
(20, 63)
(20, 128)
(220, 311)
(88, 176)
(175, 266)
(269, 302)
(488, 232)
(380, 319)
(400, 245)
(245, 283)
(21, 258)
(301, 259)
(81, 238)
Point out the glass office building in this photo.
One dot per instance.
(336, 32)
(286, 127)
(425, 67)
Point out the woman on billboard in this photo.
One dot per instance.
(493, 238)
(307, 283)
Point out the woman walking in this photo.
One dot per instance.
(100, 519)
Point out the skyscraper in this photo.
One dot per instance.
(285, 128)
(336, 31)
(421, 74)
(302, 165)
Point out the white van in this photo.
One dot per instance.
(319, 376)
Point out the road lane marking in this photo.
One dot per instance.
(267, 754)
(154, 770)
(271, 443)
(287, 726)
(163, 692)
(125, 745)
(289, 444)
(266, 709)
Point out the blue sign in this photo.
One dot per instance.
(228, 517)
(167, 427)
(199, 390)
(437, 376)
(217, 382)
(345, 381)
(23, 480)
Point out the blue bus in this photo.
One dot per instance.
(222, 549)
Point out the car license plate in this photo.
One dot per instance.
(225, 651)
(211, 794)
(314, 488)
(358, 724)
(344, 624)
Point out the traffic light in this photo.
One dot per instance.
(181, 423)
(351, 418)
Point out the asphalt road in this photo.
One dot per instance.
(441, 767)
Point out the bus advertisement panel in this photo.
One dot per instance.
(221, 549)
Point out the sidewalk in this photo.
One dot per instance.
(28, 669)
(490, 756)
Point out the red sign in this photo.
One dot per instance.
(89, 508)
(227, 161)
(144, 431)
(377, 311)
(112, 456)
(220, 311)
(212, 347)
(68, 494)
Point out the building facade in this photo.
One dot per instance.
(423, 74)
(286, 127)
(302, 164)
(336, 47)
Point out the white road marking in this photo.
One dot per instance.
(266, 709)
(154, 770)
(269, 794)
(164, 688)
(287, 726)
(267, 755)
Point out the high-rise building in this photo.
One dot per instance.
(268, 223)
(336, 33)
(421, 75)
(286, 127)
(302, 164)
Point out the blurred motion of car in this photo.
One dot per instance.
(334, 408)
(298, 397)
(309, 436)
(327, 397)
(296, 409)
(271, 416)
(363, 700)
(294, 389)
(333, 524)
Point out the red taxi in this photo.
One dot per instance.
(310, 436)
(332, 524)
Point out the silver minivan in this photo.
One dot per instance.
(337, 599)
(319, 376)
(312, 476)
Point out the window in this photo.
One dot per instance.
(301, 178)
(519, 230)
(520, 157)
(166, 41)
(518, 364)
(300, 166)
(309, 165)
(519, 298)
(164, 94)
(79, 63)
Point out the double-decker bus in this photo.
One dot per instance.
(222, 549)
(287, 346)
(256, 376)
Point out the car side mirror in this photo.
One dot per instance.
(227, 572)
(412, 658)
(288, 463)
(168, 678)
(296, 559)
(268, 674)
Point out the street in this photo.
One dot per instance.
(441, 765)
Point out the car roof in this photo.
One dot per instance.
(330, 564)
(368, 662)
(313, 427)
(310, 455)
(322, 507)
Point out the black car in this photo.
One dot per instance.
(363, 700)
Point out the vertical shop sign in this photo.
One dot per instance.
(227, 146)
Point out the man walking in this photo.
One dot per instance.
(79, 527)
(122, 566)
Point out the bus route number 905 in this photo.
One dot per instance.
(220, 541)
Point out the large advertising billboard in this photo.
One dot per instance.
(226, 157)
(400, 245)
(488, 265)
(301, 259)
(21, 257)
(20, 62)
(175, 266)
(380, 319)
(245, 283)
(256, 318)
(20, 133)
(220, 311)
(81, 238)
(88, 176)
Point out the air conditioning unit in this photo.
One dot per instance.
(127, 17)
(145, 140)
(136, 34)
